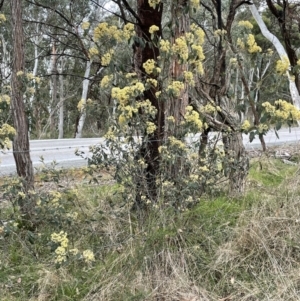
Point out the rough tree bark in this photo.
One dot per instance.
(148, 16)
(21, 147)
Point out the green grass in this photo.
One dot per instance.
(246, 247)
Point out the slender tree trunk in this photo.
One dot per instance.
(85, 88)
(54, 78)
(21, 147)
(61, 108)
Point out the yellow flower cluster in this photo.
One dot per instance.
(150, 67)
(103, 30)
(6, 134)
(198, 33)
(128, 31)
(93, 51)
(189, 78)
(174, 142)
(5, 98)
(282, 110)
(152, 81)
(153, 29)
(106, 58)
(180, 48)
(153, 3)
(106, 81)
(199, 51)
(246, 24)
(175, 88)
(81, 105)
(240, 43)
(123, 95)
(262, 128)
(246, 125)
(151, 127)
(61, 251)
(192, 117)
(298, 62)
(164, 46)
(85, 25)
(110, 135)
(88, 256)
(147, 107)
(282, 66)
(2, 18)
(253, 47)
(209, 109)
(127, 113)
(55, 198)
(195, 3)
(220, 32)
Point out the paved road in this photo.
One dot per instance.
(63, 150)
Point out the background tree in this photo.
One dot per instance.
(21, 146)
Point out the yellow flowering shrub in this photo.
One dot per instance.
(192, 119)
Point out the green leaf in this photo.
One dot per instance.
(251, 136)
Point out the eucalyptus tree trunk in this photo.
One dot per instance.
(85, 88)
(181, 24)
(148, 16)
(54, 80)
(21, 147)
(61, 108)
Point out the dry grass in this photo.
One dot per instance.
(222, 250)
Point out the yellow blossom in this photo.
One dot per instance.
(2, 18)
(175, 88)
(88, 256)
(246, 24)
(246, 125)
(128, 30)
(5, 98)
(240, 43)
(195, 3)
(149, 66)
(153, 29)
(152, 81)
(151, 127)
(189, 78)
(85, 25)
(253, 47)
(282, 66)
(81, 105)
(180, 47)
(106, 81)
(106, 58)
(192, 117)
(153, 3)
(93, 52)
